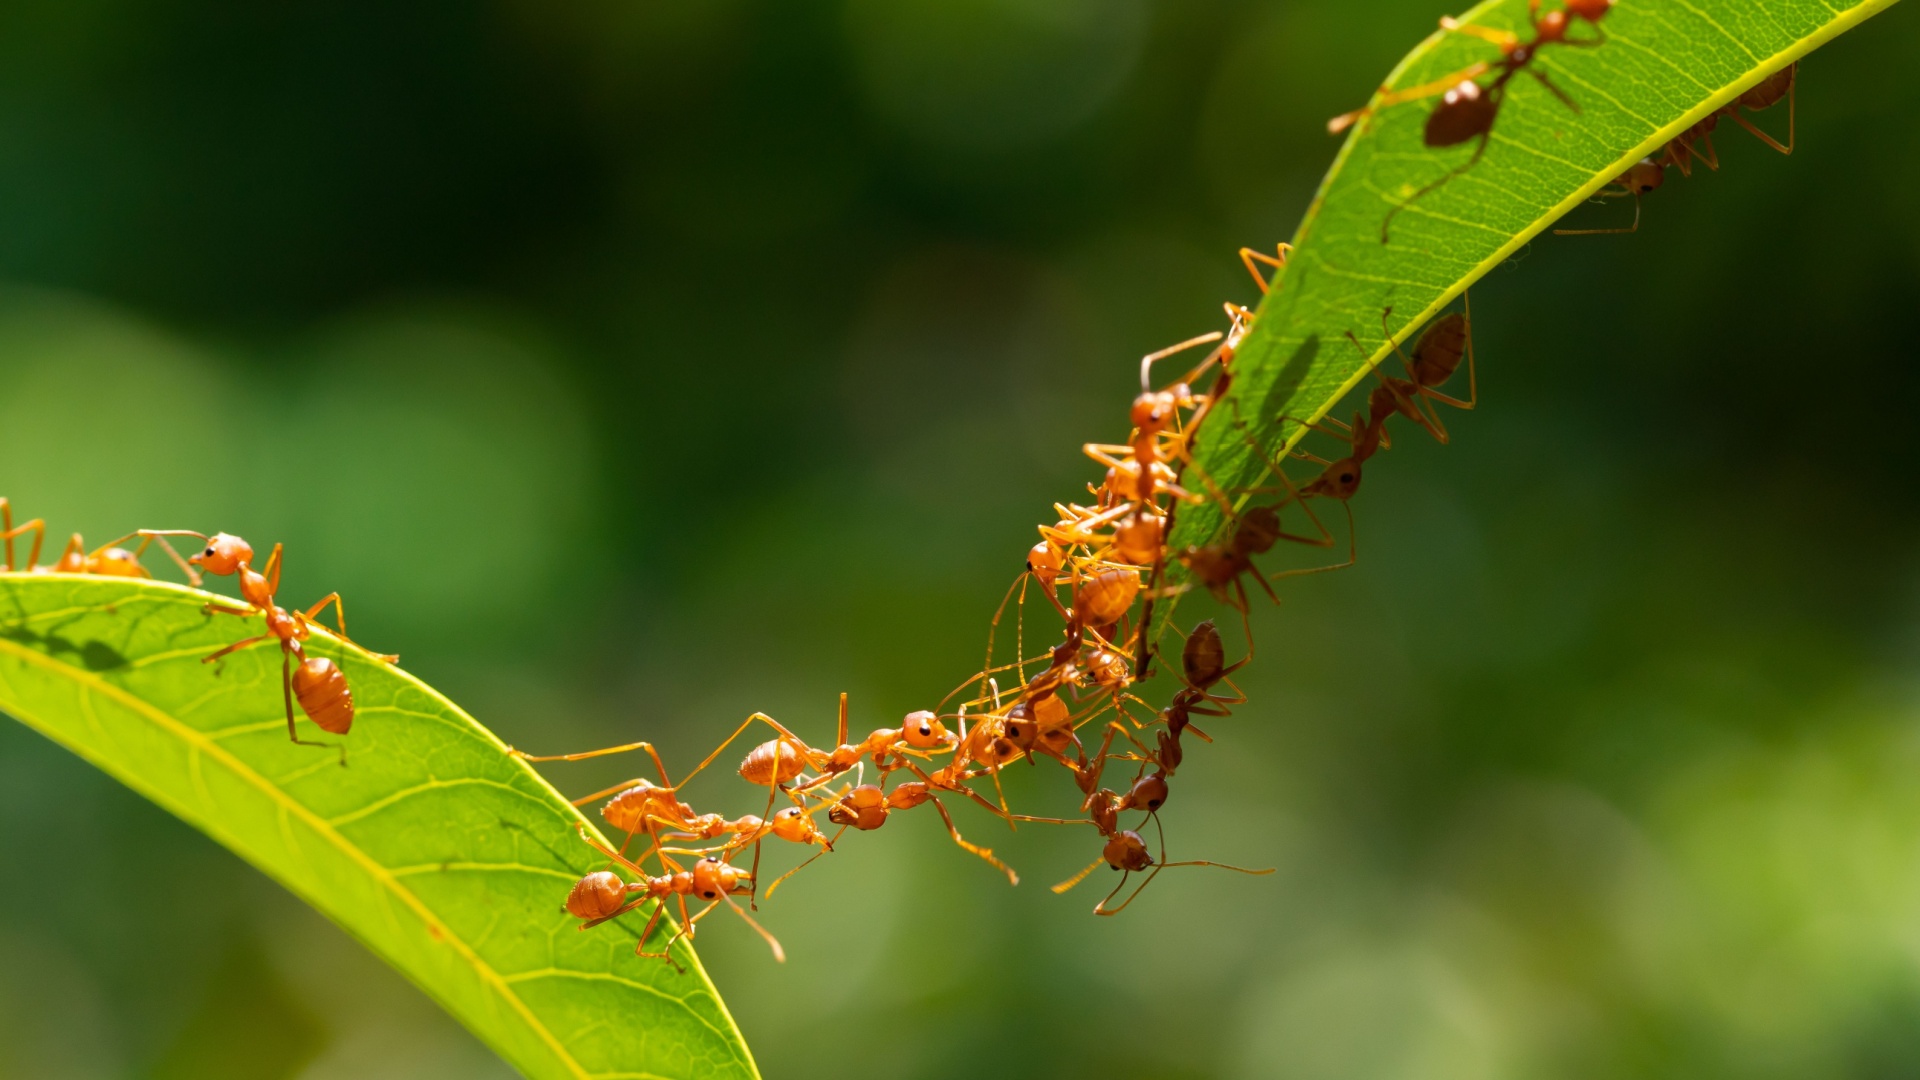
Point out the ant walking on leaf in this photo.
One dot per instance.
(1468, 110)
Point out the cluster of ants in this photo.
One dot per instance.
(1467, 109)
(1100, 566)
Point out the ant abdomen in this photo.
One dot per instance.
(1465, 112)
(596, 896)
(1106, 596)
(321, 688)
(775, 761)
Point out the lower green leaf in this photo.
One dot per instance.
(442, 853)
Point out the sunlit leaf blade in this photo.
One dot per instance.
(443, 854)
(1666, 65)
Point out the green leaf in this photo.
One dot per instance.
(435, 848)
(1666, 65)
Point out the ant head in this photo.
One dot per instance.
(713, 879)
(223, 554)
(1465, 112)
(1552, 26)
(1153, 411)
(1591, 10)
(1043, 562)
(923, 730)
(1340, 481)
(1149, 792)
(1645, 175)
(1126, 851)
(792, 824)
(596, 896)
(1021, 727)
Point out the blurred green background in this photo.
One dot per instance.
(631, 367)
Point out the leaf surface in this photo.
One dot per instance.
(1666, 64)
(434, 847)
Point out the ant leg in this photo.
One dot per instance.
(1478, 152)
(38, 527)
(236, 646)
(659, 766)
(985, 853)
(1147, 361)
(1076, 879)
(1763, 136)
(1353, 549)
(804, 865)
(1101, 907)
(148, 536)
(312, 615)
(779, 954)
(1390, 98)
(1541, 76)
(1253, 259)
(272, 572)
(639, 947)
(1502, 38)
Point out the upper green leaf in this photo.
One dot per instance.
(1666, 64)
(442, 853)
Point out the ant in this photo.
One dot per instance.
(316, 681)
(640, 806)
(108, 560)
(1467, 110)
(1124, 850)
(1646, 175)
(1220, 565)
(602, 895)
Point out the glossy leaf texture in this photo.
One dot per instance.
(444, 855)
(1665, 65)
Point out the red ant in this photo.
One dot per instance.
(107, 560)
(639, 806)
(602, 895)
(317, 682)
(1467, 111)
(1646, 175)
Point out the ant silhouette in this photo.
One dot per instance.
(1467, 110)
